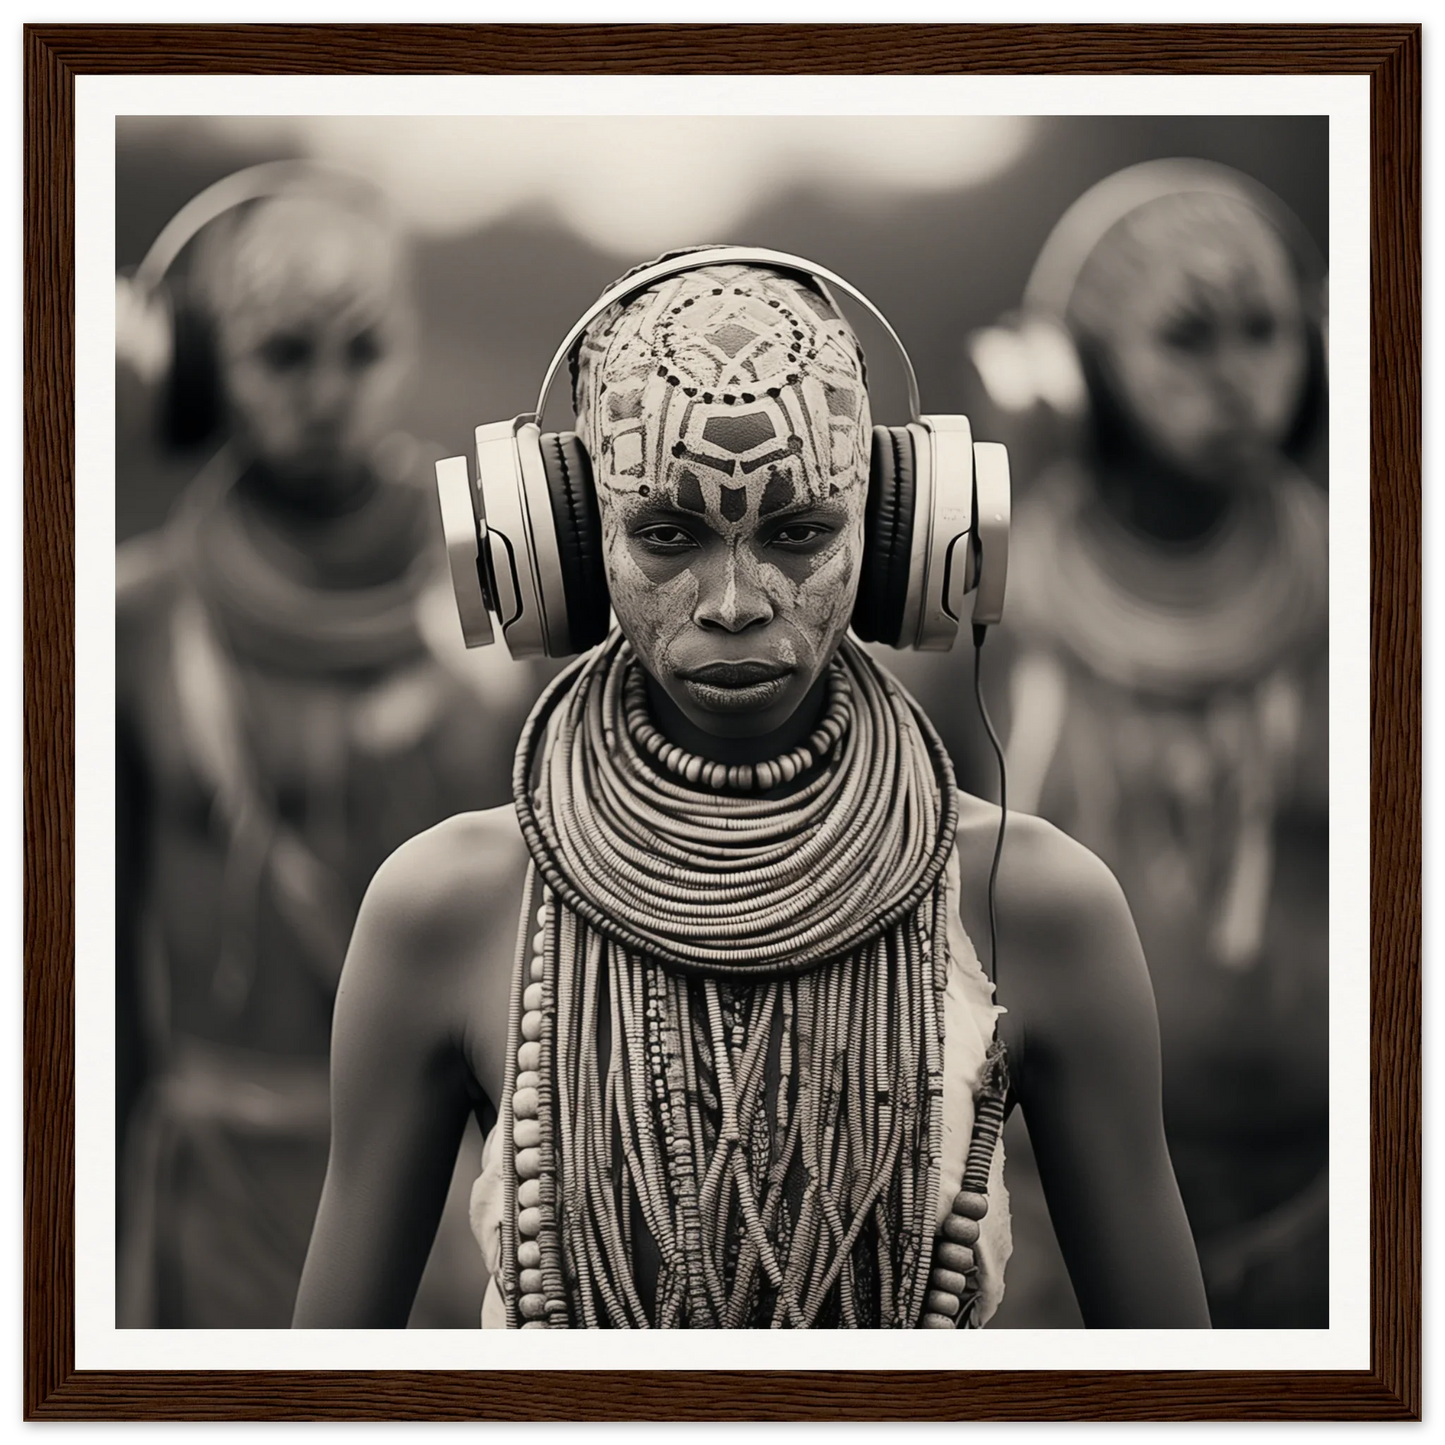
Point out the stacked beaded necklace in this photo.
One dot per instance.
(726, 1025)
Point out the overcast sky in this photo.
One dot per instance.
(635, 184)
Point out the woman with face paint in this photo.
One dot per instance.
(292, 705)
(710, 983)
(1166, 700)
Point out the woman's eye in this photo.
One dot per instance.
(285, 352)
(666, 537)
(1259, 328)
(1191, 335)
(363, 349)
(799, 534)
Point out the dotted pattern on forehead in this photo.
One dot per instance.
(732, 370)
(725, 332)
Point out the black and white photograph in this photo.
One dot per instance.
(722, 722)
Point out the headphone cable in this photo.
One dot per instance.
(979, 632)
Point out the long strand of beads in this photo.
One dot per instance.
(506, 1121)
(679, 1150)
(568, 1046)
(527, 1133)
(596, 1217)
(620, 1107)
(782, 1140)
(908, 1103)
(761, 1152)
(636, 1117)
(698, 1130)
(933, 1064)
(953, 1281)
(729, 1140)
(553, 1267)
(586, 1210)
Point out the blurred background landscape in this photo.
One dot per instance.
(517, 223)
(520, 222)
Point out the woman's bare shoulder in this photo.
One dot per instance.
(1060, 909)
(427, 974)
(444, 891)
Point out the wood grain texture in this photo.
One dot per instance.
(54, 1389)
(1395, 728)
(744, 49)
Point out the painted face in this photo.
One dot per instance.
(727, 418)
(314, 334)
(1196, 317)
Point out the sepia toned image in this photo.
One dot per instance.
(722, 722)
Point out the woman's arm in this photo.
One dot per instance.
(1089, 1085)
(401, 1085)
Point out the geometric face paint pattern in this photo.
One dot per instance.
(736, 396)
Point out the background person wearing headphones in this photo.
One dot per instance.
(1162, 682)
(292, 705)
(709, 983)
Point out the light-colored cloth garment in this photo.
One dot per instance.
(969, 1016)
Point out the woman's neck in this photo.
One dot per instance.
(1163, 505)
(307, 504)
(675, 726)
(364, 536)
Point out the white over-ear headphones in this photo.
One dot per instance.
(1030, 363)
(525, 543)
(167, 329)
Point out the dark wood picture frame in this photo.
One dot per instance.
(54, 1389)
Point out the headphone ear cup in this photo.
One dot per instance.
(1023, 383)
(887, 537)
(579, 538)
(191, 403)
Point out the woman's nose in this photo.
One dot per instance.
(329, 393)
(731, 598)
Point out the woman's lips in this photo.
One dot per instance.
(737, 674)
(737, 686)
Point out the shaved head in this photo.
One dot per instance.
(726, 414)
(719, 377)
(1192, 306)
(314, 327)
(300, 257)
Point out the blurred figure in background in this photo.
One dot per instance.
(294, 702)
(1163, 688)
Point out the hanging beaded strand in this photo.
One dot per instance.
(508, 1280)
(542, 1297)
(691, 1291)
(953, 1283)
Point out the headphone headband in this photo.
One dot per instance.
(1094, 214)
(722, 256)
(526, 542)
(255, 183)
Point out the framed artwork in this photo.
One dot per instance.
(929, 164)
